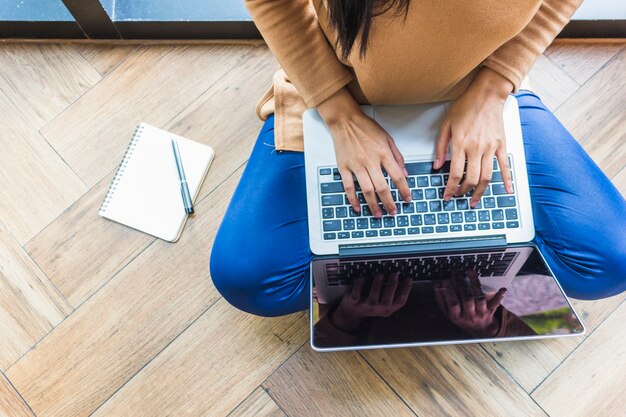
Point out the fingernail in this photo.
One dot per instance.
(473, 203)
(406, 173)
(436, 163)
(446, 197)
(509, 186)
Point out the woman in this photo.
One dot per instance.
(336, 54)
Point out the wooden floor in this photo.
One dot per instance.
(98, 319)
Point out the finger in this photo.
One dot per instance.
(452, 300)
(441, 147)
(440, 298)
(367, 187)
(481, 306)
(476, 287)
(486, 172)
(350, 189)
(469, 308)
(397, 155)
(396, 176)
(357, 290)
(472, 174)
(457, 166)
(382, 189)
(402, 294)
(390, 290)
(503, 161)
(494, 303)
(377, 285)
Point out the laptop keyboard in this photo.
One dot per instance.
(425, 268)
(426, 214)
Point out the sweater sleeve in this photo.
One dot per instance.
(293, 34)
(516, 57)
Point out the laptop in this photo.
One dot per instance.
(469, 274)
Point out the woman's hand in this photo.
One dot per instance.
(383, 300)
(363, 148)
(470, 310)
(474, 129)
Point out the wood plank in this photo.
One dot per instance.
(529, 363)
(30, 306)
(105, 57)
(332, 384)
(153, 86)
(592, 381)
(582, 60)
(80, 251)
(128, 322)
(452, 380)
(550, 83)
(594, 118)
(11, 404)
(201, 373)
(258, 404)
(35, 183)
(43, 80)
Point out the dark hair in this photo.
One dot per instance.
(350, 17)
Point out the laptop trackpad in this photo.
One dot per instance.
(414, 128)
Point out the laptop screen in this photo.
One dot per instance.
(431, 298)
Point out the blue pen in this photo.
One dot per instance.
(184, 188)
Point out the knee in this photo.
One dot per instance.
(246, 282)
(602, 273)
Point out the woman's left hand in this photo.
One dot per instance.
(474, 129)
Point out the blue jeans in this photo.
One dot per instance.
(260, 258)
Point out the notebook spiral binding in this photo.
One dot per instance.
(120, 169)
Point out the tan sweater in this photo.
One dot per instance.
(430, 56)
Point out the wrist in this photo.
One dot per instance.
(491, 84)
(339, 108)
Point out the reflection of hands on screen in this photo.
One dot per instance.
(382, 300)
(469, 309)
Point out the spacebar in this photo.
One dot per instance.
(421, 168)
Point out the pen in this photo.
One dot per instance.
(184, 188)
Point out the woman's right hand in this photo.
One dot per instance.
(363, 149)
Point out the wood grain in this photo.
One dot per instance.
(452, 380)
(529, 363)
(258, 404)
(125, 324)
(43, 80)
(596, 118)
(105, 57)
(30, 306)
(581, 61)
(574, 389)
(26, 205)
(11, 404)
(332, 384)
(200, 374)
(92, 134)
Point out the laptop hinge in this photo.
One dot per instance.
(419, 246)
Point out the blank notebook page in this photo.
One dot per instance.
(145, 193)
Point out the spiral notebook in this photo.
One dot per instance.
(145, 193)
